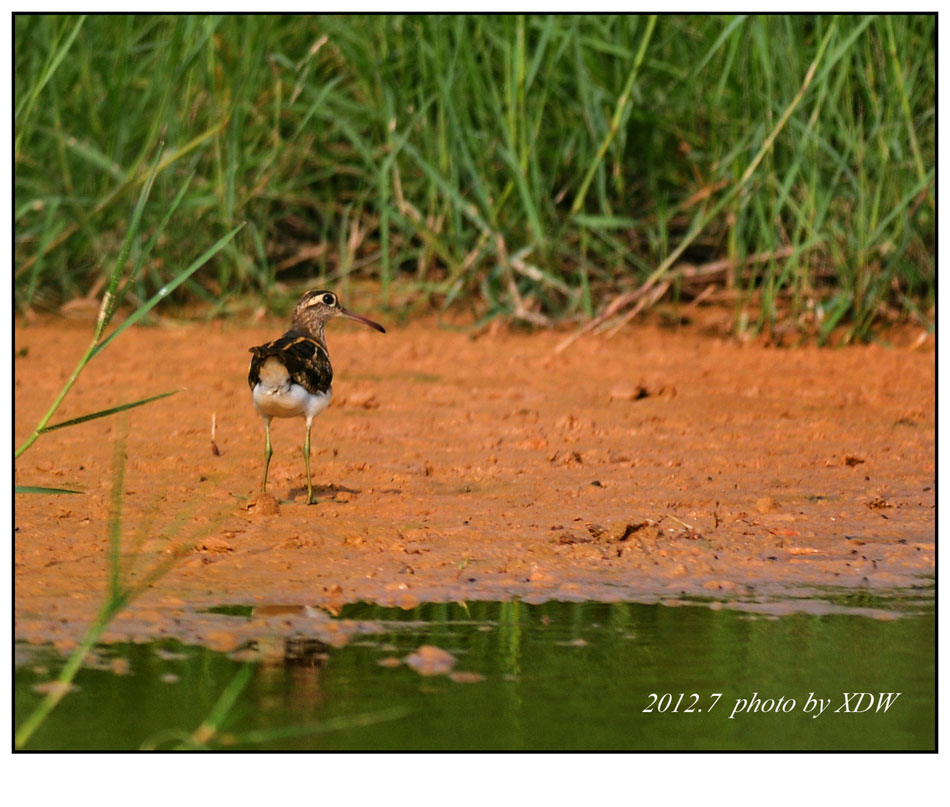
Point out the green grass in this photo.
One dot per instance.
(533, 167)
(112, 299)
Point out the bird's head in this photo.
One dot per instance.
(318, 307)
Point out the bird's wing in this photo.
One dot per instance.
(306, 360)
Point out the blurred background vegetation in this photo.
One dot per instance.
(538, 168)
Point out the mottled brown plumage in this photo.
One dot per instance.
(306, 360)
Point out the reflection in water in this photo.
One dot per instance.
(549, 676)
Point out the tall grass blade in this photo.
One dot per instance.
(259, 736)
(109, 302)
(147, 250)
(37, 489)
(106, 412)
(22, 113)
(119, 596)
(212, 723)
(621, 105)
(115, 601)
(167, 289)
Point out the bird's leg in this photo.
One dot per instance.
(306, 460)
(268, 452)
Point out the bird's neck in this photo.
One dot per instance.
(311, 328)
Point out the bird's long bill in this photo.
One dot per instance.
(364, 320)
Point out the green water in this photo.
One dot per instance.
(555, 676)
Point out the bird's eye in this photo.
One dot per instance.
(328, 299)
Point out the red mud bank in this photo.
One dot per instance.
(650, 466)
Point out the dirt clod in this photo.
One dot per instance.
(263, 505)
(632, 529)
(567, 538)
(214, 544)
(629, 392)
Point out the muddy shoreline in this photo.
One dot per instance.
(653, 466)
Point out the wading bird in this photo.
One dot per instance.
(290, 376)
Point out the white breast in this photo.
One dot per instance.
(277, 396)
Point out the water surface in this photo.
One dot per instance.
(551, 676)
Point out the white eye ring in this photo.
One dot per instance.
(328, 299)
